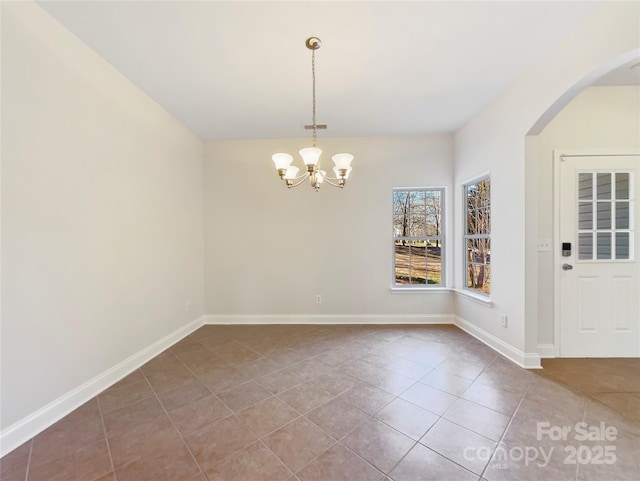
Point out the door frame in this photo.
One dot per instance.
(557, 258)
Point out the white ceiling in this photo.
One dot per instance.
(241, 70)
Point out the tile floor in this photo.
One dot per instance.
(329, 403)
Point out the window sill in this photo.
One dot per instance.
(479, 298)
(421, 290)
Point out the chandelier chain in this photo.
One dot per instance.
(313, 81)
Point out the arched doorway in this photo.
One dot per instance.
(598, 115)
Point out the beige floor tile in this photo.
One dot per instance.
(426, 465)
(222, 378)
(379, 444)
(462, 368)
(544, 461)
(166, 381)
(492, 398)
(298, 443)
(447, 382)
(253, 463)
(288, 357)
(479, 419)
(89, 462)
(218, 441)
(514, 380)
(196, 354)
(175, 465)
(308, 369)
(464, 447)
(266, 416)
(14, 464)
(259, 367)
(429, 398)
(305, 397)
(340, 464)
(127, 418)
(80, 428)
(182, 396)
(337, 418)
(391, 382)
(409, 419)
(336, 383)
(158, 434)
(367, 398)
(199, 414)
(162, 363)
(244, 395)
(279, 381)
(107, 477)
(117, 397)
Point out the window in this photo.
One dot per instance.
(417, 237)
(477, 238)
(605, 210)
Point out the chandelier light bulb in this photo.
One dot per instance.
(310, 155)
(291, 173)
(282, 160)
(342, 161)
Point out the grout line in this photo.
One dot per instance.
(506, 430)
(303, 415)
(233, 413)
(260, 439)
(106, 439)
(26, 474)
(584, 418)
(275, 455)
(174, 425)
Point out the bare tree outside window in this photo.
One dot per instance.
(417, 237)
(478, 235)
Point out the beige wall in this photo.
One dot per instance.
(269, 250)
(598, 119)
(494, 141)
(101, 215)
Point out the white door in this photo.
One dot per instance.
(599, 286)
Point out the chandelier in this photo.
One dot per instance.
(311, 155)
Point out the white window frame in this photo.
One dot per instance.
(427, 238)
(466, 237)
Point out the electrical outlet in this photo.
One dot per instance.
(318, 298)
(503, 320)
(187, 306)
(544, 245)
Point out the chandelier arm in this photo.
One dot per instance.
(332, 183)
(331, 178)
(302, 178)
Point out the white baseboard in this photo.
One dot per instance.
(36, 422)
(547, 351)
(329, 319)
(528, 360)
